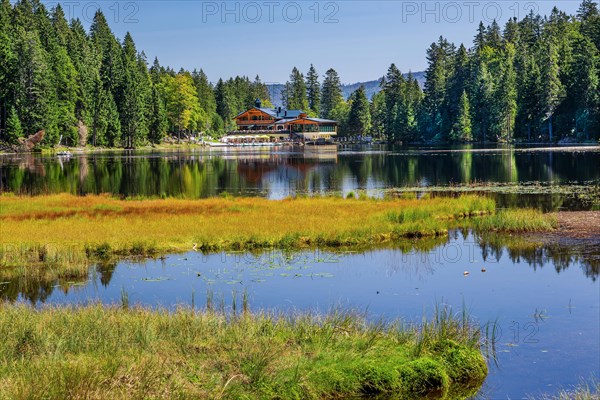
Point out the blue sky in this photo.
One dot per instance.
(360, 39)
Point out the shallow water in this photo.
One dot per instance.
(287, 171)
(545, 302)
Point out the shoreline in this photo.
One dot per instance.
(426, 148)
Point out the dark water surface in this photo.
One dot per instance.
(286, 171)
(545, 302)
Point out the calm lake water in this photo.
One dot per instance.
(545, 302)
(280, 172)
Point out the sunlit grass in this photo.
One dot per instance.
(109, 352)
(66, 230)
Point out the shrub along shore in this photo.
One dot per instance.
(67, 233)
(116, 353)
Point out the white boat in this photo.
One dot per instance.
(64, 153)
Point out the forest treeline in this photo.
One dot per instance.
(534, 79)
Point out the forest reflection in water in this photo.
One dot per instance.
(39, 286)
(289, 172)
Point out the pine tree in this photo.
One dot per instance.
(481, 94)
(393, 86)
(258, 90)
(87, 66)
(552, 88)
(157, 127)
(378, 114)
(313, 90)
(65, 77)
(461, 130)
(457, 83)
(14, 131)
(206, 97)
(439, 57)
(331, 93)
(359, 117)
(297, 99)
(35, 92)
(133, 98)
(8, 66)
(506, 96)
(584, 86)
(589, 16)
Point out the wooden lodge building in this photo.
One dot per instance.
(278, 124)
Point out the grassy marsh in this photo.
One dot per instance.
(66, 232)
(109, 352)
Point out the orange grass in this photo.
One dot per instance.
(59, 227)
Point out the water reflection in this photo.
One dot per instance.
(286, 171)
(543, 300)
(413, 259)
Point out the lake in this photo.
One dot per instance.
(546, 178)
(544, 302)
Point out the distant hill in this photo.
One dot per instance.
(371, 87)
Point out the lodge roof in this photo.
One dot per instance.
(277, 113)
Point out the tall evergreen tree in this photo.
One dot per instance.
(158, 123)
(132, 97)
(461, 130)
(313, 91)
(439, 56)
(14, 131)
(331, 93)
(296, 96)
(359, 117)
(552, 88)
(35, 92)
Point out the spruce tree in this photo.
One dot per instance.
(14, 131)
(313, 90)
(132, 97)
(296, 96)
(35, 92)
(158, 123)
(331, 93)
(461, 130)
(359, 116)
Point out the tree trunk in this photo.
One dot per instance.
(550, 127)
